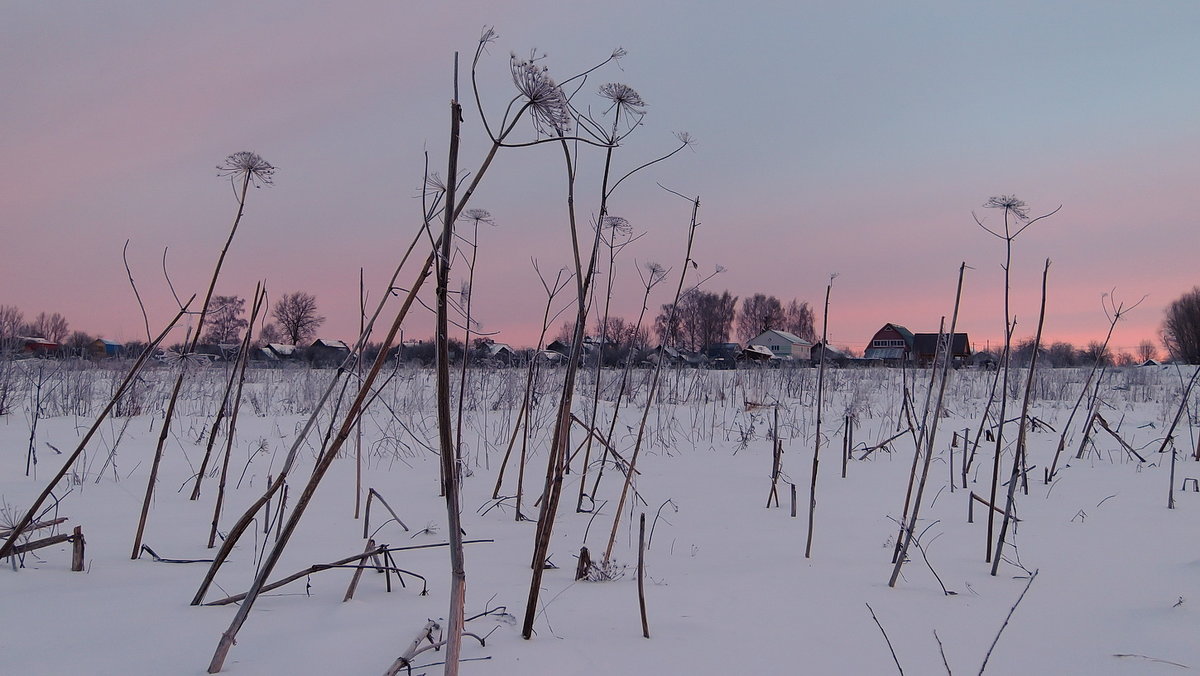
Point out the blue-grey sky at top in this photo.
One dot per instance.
(853, 138)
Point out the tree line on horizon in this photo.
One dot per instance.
(703, 318)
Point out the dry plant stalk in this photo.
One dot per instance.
(260, 299)
(250, 168)
(627, 105)
(451, 476)
(1022, 430)
(237, 375)
(1016, 215)
(629, 471)
(812, 487)
(356, 408)
(1118, 311)
(946, 347)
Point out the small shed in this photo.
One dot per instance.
(326, 352)
(37, 346)
(499, 353)
(672, 356)
(723, 355)
(104, 349)
(756, 353)
(832, 355)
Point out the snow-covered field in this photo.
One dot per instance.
(728, 588)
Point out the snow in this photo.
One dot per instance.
(728, 587)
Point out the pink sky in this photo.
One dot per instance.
(854, 140)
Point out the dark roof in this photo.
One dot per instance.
(884, 353)
(908, 335)
(926, 344)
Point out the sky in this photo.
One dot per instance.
(859, 139)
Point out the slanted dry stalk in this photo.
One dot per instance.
(1022, 429)
(260, 296)
(236, 375)
(627, 105)
(615, 226)
(358, 366)
(918, 434)
(947, 348)
(326, 459)
(653, 391)
(654, 275)
(812, 487)
(1118, 311)
(524, 414)
(323, 463)
(21, 525)
(465, 297)
(983, 419)
(251, 168)
(1169, 439)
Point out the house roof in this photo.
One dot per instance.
(281, 349)
(831, 352)
(335, 344)
(758, 351)
(926, 343)
(908, 335)
(789, 337)
(884, 353)
(494, 349)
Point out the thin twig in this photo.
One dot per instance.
(885, 638)
(1006, 619)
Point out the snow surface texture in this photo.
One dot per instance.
(728, 590)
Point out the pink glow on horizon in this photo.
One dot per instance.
(847, 169)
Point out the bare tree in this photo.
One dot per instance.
(269, 333)
(1146, 351)
(703, 318)
(78, 343)
(798, 319)
(1096, 352)
(297, 315)
(759, 313)
(11, 319)
(1062, 354)
(225, 320)
(51, 327)
(1181, 327)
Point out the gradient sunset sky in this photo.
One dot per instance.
(853, 138)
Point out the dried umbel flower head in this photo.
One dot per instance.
(1009, 203)
(548, 106)
(617, 225)
(685, 138)
(623, 97)
(478, 216)
(248, 166)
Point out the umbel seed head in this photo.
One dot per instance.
(246, 164)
